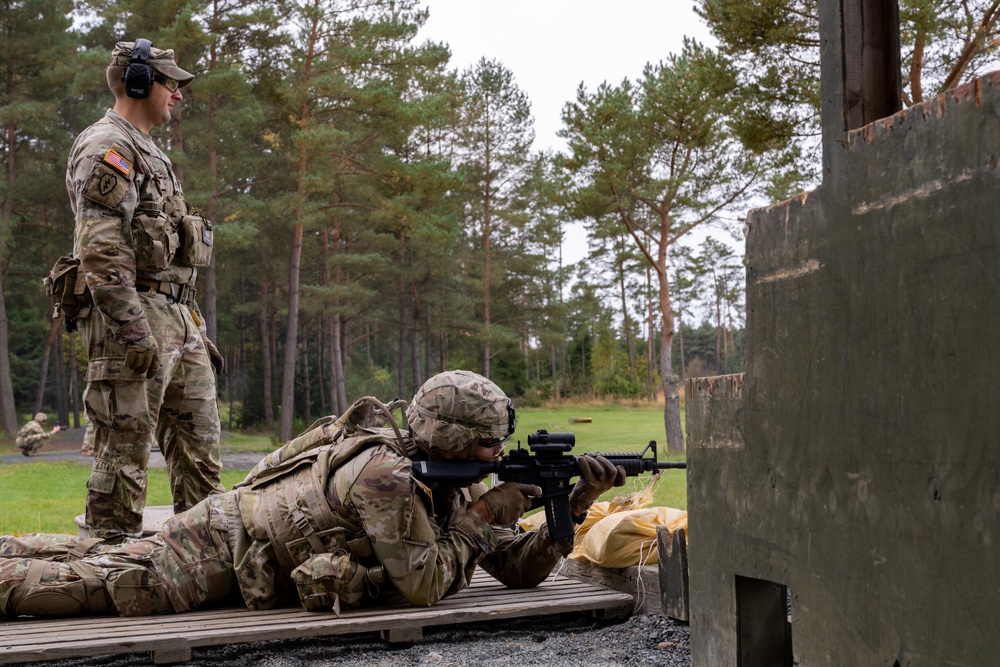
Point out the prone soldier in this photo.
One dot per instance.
(335, 516)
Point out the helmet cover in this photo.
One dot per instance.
(454, 408)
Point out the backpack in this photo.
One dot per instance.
(363, 417)
(69, 291)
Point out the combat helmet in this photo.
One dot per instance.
(454, 408)
(40, 417)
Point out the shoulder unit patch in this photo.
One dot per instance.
(115, 159)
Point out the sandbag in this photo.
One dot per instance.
(627, 538)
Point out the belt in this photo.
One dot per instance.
(174, 292)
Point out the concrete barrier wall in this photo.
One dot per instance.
(857, 461)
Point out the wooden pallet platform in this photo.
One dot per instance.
(170, 638)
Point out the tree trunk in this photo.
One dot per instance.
(291, 336)
(718, 335)
(338, 382)
(320, 365)
(415, 342)
(400, 342)
(74, 381)
(626, 323)
(208, 305)
(8, 411)
(680, 340)
(428, 343)
(553, 361)
(487, 294)
(650, 332)
(46, 354)
(62, 393)
(306, 384)
(298, 228)
(669, 379)
(265, 344)
(342, 349)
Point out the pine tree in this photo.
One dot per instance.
(495, 137)
(38, 48)
(661, 157)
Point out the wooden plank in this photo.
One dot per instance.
(171, 637)
(641, 581)
(673, 572)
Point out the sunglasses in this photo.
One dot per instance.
(168, 83)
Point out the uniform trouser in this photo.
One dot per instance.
(186, 566)
(179, 404)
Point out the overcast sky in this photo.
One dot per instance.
(553, 45)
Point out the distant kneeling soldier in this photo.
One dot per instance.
(29, 438)
(335, 516)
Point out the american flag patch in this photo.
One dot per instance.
(118, 162)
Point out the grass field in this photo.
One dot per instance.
(44, 496)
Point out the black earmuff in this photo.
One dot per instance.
(138, 75)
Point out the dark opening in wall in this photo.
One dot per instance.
(763, 623)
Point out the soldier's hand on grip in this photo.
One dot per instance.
(597, 475)
(142, 356)
(505, 503)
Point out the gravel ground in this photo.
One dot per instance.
(569, 640)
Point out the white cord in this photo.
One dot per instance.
(640, 586)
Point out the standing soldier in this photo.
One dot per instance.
(29, 438)
(140, 245)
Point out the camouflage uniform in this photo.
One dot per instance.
(335, 515)
(31, 437)
(140, 245)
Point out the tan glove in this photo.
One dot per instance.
(218, 361)
(142, 356)
(505, 503)
(597, 475)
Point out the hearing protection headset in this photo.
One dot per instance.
(138, 76)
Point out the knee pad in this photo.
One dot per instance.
(138, 592)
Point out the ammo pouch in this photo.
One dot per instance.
(68, 288)
(194, 229)
(155, 237)
(326, 581)
(196, 240)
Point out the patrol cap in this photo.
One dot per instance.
(160, 60)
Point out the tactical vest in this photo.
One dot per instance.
(171, 239)
(284, 499)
